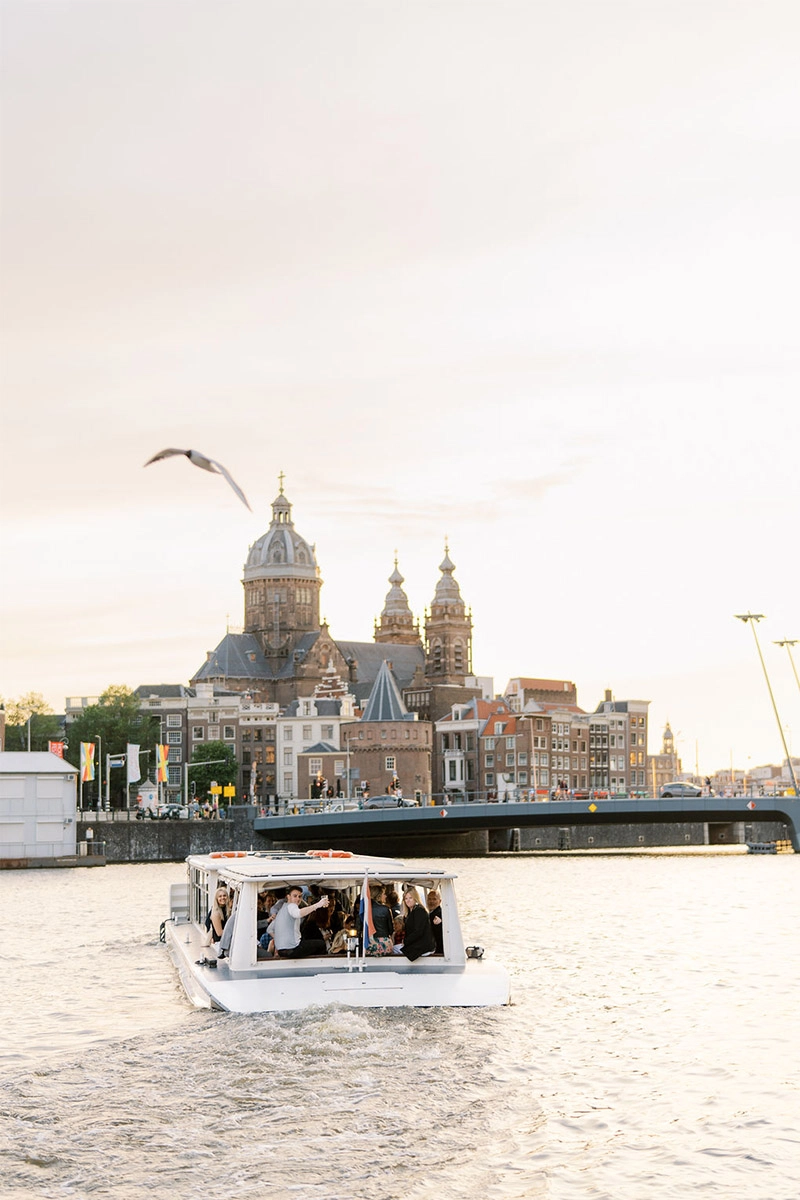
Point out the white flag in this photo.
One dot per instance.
(132, 758)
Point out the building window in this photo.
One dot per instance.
(499, 726)
(522, 759)
(173, 739)
(489, 779)
(523, 777)
(287, 758)
(228, 733)
(489, 743)
(307, 733)
(174, 755)
(173, 721)
(287, 733)
(288, 784)
(470, 770)
(390, 761)
(327, 733)
(338, 767)
(197, 733)
(213, 733)
(245, 758)
(245, 735)
(539, 724)
(509, 760)
(315, 766)
(174, 776)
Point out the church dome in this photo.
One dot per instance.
(281, 551)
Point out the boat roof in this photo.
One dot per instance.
(310, 867)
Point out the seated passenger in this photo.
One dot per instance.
(220, 911)
(418, 936)
(382, 941)
(317, 926)
(286, 927)
(434, 903)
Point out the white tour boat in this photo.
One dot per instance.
(244, 981)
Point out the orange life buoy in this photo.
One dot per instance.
(328, 854)
(228, 854)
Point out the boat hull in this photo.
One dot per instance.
(371, 983)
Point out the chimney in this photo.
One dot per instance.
(608, 695)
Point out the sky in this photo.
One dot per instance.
(522, 276)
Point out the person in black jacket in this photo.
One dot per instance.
(418, 940)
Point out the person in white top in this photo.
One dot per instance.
(286, 927)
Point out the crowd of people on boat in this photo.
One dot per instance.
(304, 921)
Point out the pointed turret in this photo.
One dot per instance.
(397, 624)
(448, 629)
(385, 702)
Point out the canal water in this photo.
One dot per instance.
(652, 1050)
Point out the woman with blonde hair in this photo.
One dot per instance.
(418, 936)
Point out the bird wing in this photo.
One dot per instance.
(231, 481)
(163, 454)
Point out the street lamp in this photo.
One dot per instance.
(788, 643)
(210, 762)
(752, 619)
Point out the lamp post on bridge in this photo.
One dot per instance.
(752, 620)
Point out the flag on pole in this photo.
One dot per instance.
(365, 910)
(132, 759)
(56, 748)
(87, 761)
(162, 754)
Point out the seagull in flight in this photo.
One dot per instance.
(208, 464)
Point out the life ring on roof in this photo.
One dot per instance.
(228, 854)
(328, 854)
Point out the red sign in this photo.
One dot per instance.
(56, 748)
(751, 804)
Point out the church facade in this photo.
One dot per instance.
(286, 650)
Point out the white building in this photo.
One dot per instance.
(38, 797)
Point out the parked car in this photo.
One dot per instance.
(676, 791)
(388, 801)
(173, 812)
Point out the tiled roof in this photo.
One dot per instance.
(385, 702)
(320, 748)
(370, 655)
(238, 656)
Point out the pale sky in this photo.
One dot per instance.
(522, 274)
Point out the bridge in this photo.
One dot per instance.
(339, 829)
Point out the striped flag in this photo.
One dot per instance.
(162, 754)
(365, 909)
(87, 761)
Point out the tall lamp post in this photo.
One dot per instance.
(788, 643)
(752, 620)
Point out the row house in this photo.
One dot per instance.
(306, 724)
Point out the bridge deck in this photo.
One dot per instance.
(455, 818)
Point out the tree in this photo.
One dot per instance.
(45, 725)
(117, 720)
(225, 772)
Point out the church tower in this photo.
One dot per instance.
(448, 630)
(281, 586)
(397, 624)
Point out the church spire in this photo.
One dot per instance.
(397, 622)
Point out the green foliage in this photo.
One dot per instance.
(45, 726)
(117, 720)
(224, 772)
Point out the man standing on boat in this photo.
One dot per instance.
(286, 929)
